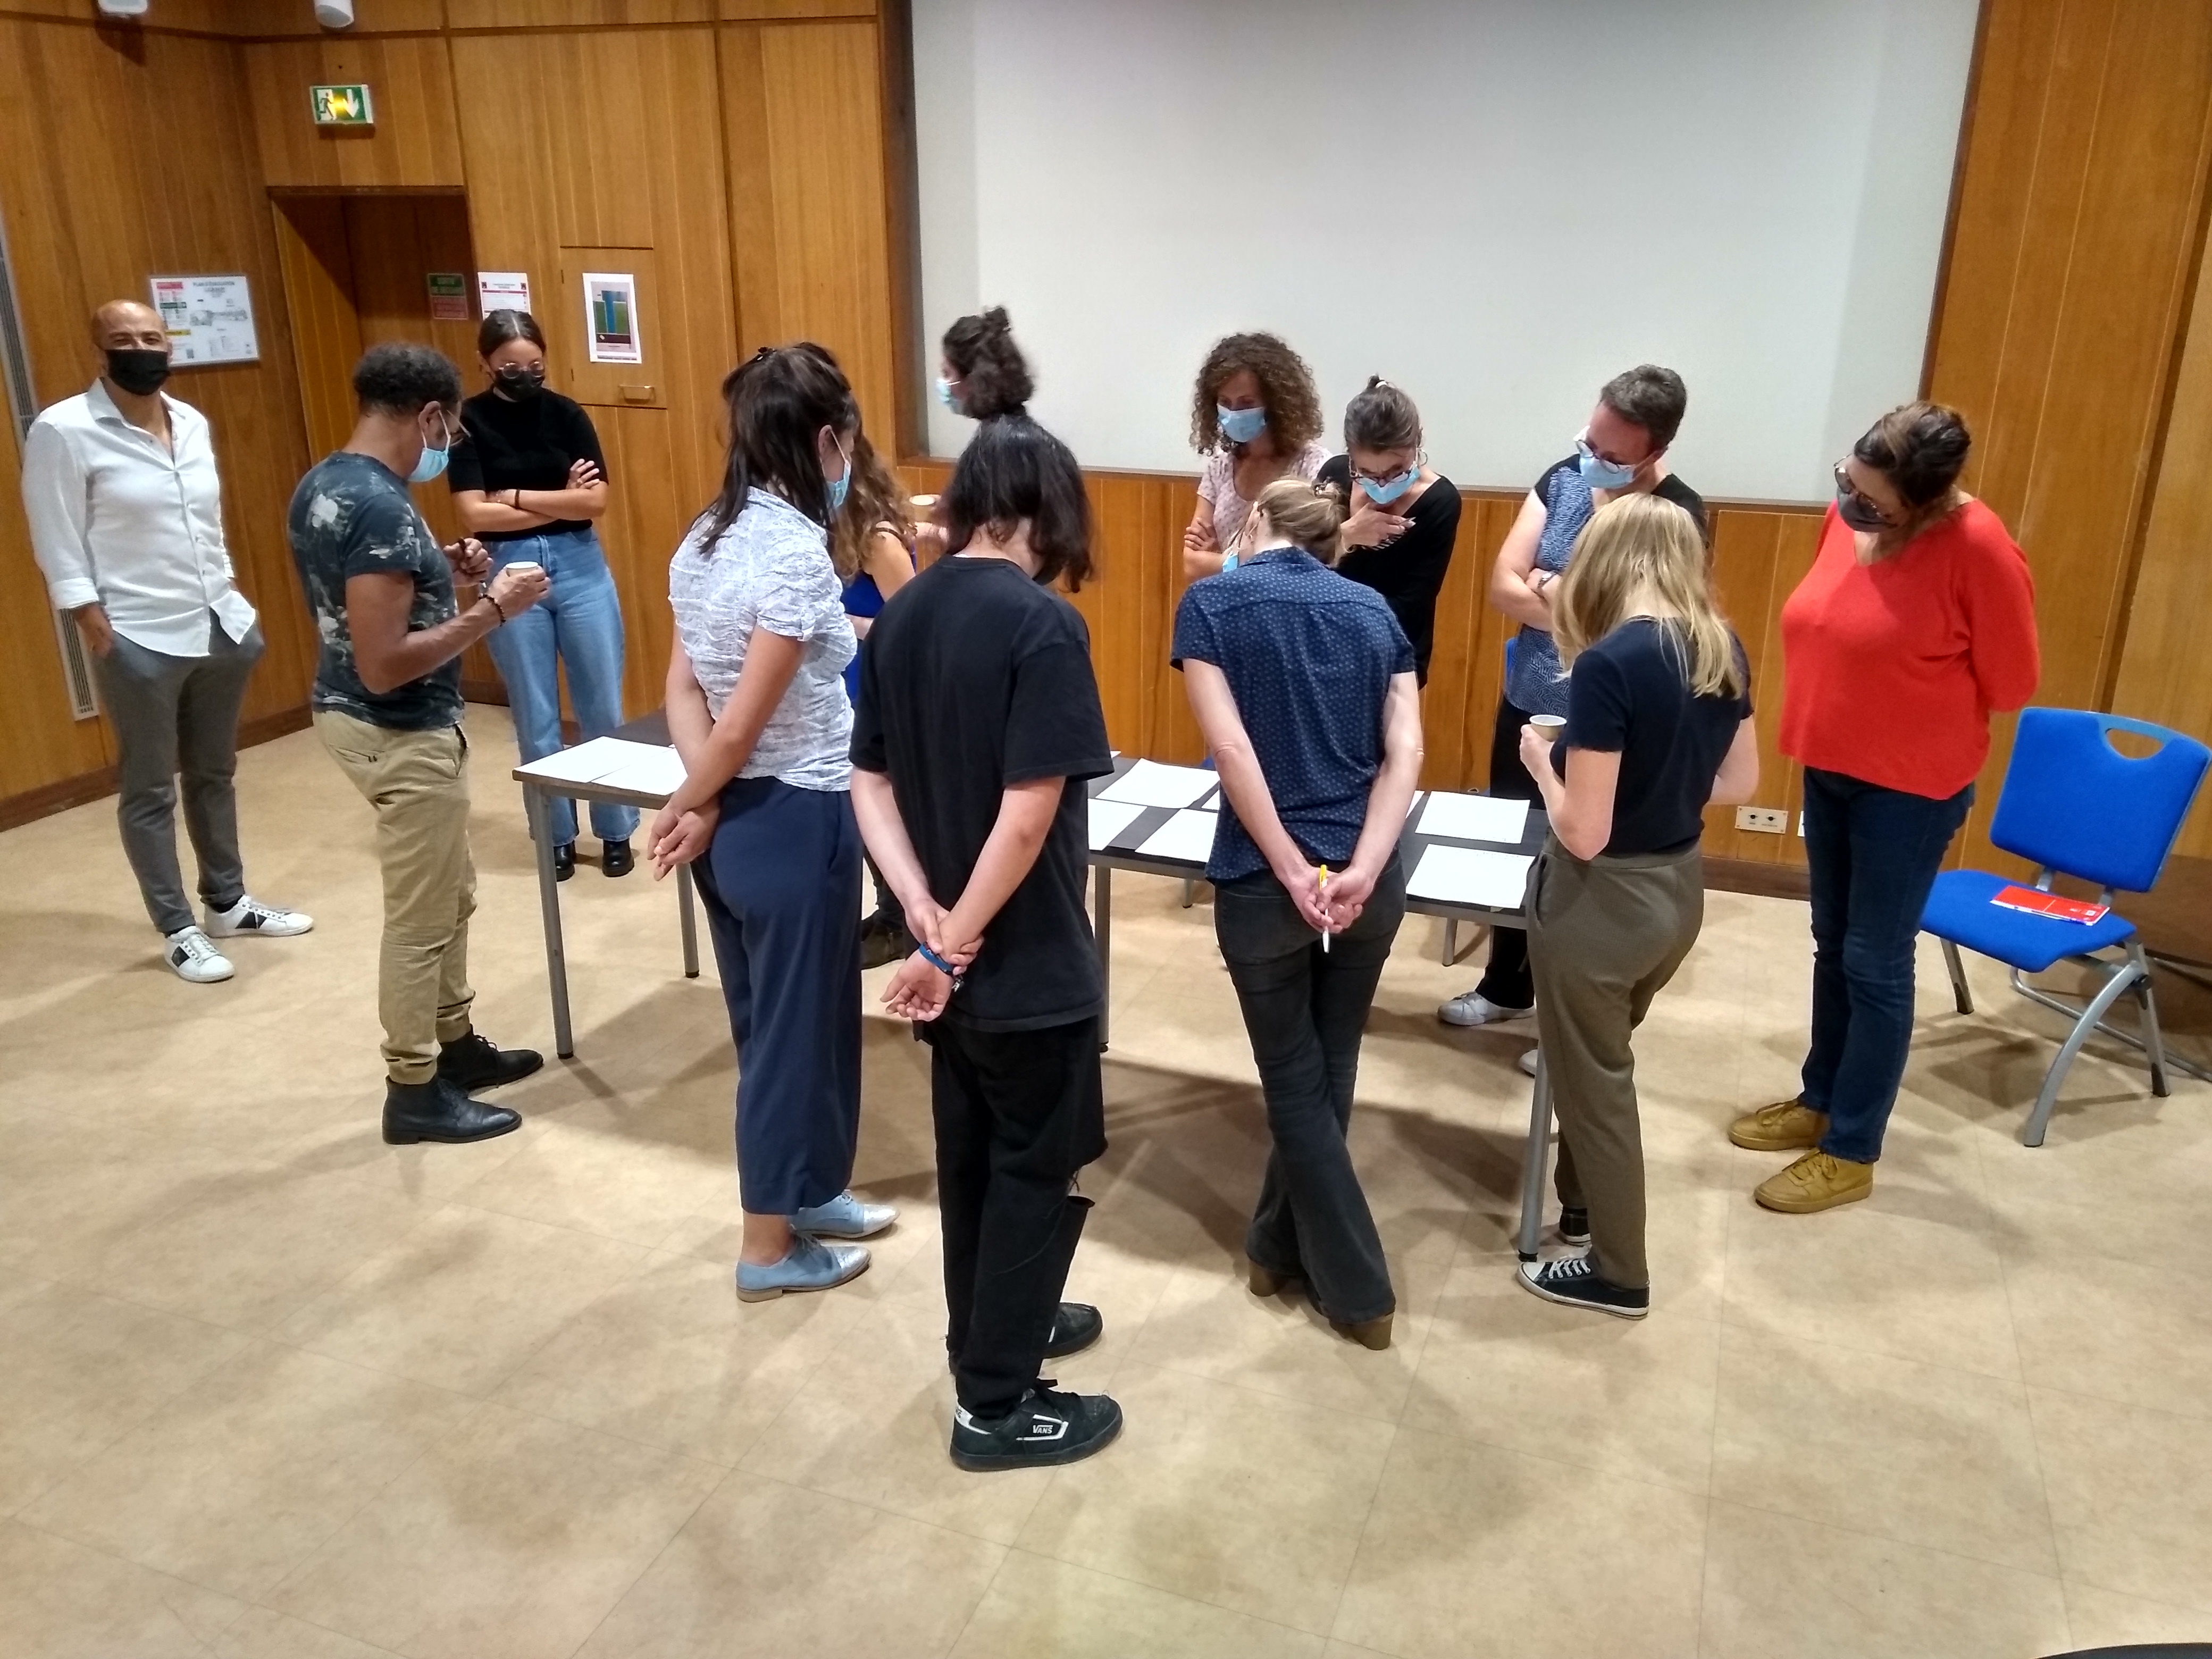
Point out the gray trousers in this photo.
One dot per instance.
(178, 716)
(1604, 937)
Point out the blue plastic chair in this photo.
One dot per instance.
(2074, 806)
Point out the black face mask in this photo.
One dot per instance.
(517, 382)
(1854, 512)
(137, 370)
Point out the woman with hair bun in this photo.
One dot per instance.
(1308, 890)
(531, 481)
(1404, 521)
(1255, 417)
(984, 373)
(1915, 624)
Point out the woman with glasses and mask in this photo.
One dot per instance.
(1622, 452)
(1404, 521)
(1915, 624)
(1255, 417)
(529, 482)
(758, 709)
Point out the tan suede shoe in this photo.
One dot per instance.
(1782, 1127)
(1818, 1181)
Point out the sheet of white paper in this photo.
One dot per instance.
(1109, 818)
(1186, 836)
(1475, 817)
(1468, 875)
(1148, 783)
(659, 771)
(587, 763)
(1414, 805)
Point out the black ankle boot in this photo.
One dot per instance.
(475, 1061)
(616, 858)
(438, 1110)
(564, 861)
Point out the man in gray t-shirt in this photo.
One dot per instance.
(387, 705)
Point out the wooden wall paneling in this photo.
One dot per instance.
(809, 227)
(96, 206)
(2165, 667)
(619, 149)
(317, 260)
(912, 365)
(415, 143)
(792, 10)
(1758, 558)
(270, 20)
(575, 14)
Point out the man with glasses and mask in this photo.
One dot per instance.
(125, 510)
(387, 705)
(1622, 452)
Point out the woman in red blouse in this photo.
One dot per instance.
(1916, 623)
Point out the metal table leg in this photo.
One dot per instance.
(690, 921)
(1451, 940)
(1102, 924)
(1532, 1160)
(549, 905)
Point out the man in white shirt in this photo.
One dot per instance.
(125, 509)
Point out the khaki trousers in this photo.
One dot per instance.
(1604, 937)
(418, 782)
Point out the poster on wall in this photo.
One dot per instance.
(503, 290)
(610, 317)
(449, 296)
(209, 320)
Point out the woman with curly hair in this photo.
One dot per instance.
(984, 373)
(1255, 417)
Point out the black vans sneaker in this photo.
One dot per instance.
(1047, 1429)
(1573, 1281)
(1574, 1227)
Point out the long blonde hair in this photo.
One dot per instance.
(1645, 546)
(1311, 515)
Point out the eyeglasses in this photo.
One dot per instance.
(1846, 487)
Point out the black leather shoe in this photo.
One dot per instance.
(475, 1062)
(564, 861)
(1075, 1327)
(614, 857)
(438, 1110)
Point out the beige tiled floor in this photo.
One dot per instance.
(271, 1390)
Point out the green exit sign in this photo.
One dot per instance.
(342, 106)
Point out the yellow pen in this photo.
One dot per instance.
(1324, 887)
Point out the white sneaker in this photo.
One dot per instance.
(1527, 1062)
(194, 956)
(1473, 1008)
(249, 915)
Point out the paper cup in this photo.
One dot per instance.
(522, 564)
(1549, 727)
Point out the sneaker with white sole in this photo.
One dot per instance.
(1527, 1062)
(1473, 1008)
(1574, 1282)
(1048, 1428)
(193, 955)
(250, 915)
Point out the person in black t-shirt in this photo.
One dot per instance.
(1622, 452)
(978, 723)
(1658, 726)
(1404, 514)
(529, 481)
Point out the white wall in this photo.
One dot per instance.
(1498, 203)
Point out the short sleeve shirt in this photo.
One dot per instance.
(771, 569)
(523, 443)
(1538, 684)
(1308, 655)
(352, 516)
(975, 679)
(1217, 487)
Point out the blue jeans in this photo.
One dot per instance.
(578, 626)
(1875, 854)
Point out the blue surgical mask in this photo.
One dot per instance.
(1228, 562)
(944, 394)
(431, 464)
(840, 485)
(1600, 473)
(1383, 491)
(1241, 426)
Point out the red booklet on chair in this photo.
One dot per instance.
(2056, 906)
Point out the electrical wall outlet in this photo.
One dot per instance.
(1767, 820)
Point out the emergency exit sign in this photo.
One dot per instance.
(342, 106)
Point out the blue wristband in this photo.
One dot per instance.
(939, 964)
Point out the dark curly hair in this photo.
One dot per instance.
(399, 377)
(982, 351)
(1287, 388)
(1921, 448)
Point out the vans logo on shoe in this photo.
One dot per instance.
(1046, 1428)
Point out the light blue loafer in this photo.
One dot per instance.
(808, 1265)
(844, 1217)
